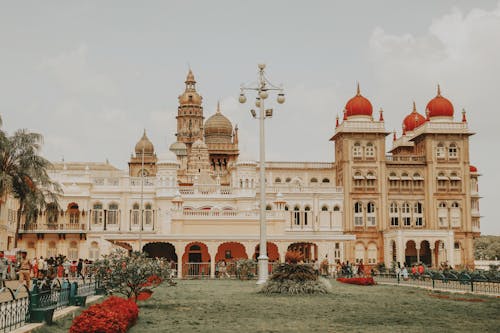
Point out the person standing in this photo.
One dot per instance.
(79, 269)
(25, 269)
(4, 265)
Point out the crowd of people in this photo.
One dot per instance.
(41, 268)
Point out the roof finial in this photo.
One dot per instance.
(381, 117)
(144, 134)
(394, 135)
(337, 121)
(464, 117)
(414, 107)
(218, 106)
(358, 91)
(439, 90)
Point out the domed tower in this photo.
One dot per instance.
(439, 108)
(144, 152)
(190, 114)
(222, 142)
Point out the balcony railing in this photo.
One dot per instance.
(48, 227)
(252, 214)
(405, 159)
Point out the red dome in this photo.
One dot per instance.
(413, 120)
(358, 106)
(439, 106)
(473, 168)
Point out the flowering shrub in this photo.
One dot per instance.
(367, 281)
(114, 315)
(152, 281)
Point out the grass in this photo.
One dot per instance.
(234, 306)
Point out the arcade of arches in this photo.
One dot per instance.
(429, 252)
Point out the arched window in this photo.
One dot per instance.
(135, 214)
(442, 214)
(277, 180)
(269, 207)
(324, 208)
(97, 213)
(287, 208)
(370, 215)
(372, 253)
(453, 151)
(74, 213)
(405, 181)
(148, 214)
(336, 209)
(142, 172)
(52, 250)
(288, 179)
(455, 216)
(418, 214)
(440, 151)
(314, 180)
(358, 179)
(370, 180)
(306, 215)
(52, 213)
(73, 251)
(325, 180)
(359, 252)
(393, 180)
(296, 215)
(394, 214)
(370, 150)
(406, 214)
(454, 181)
(358, 214)
(357, 151)
(112, 214)
(94, 251)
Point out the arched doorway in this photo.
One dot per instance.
(196, 260)
(272, 252)
(410, 253)
(308, 250)
(161, 250)
(425, 253)
(230, 251)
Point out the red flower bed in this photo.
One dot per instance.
(367, 281)
(153, 280)
(114, 315)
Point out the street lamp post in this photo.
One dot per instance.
(263, 87)
(142, 198)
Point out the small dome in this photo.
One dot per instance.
(146, 144)
(439, 106)
(413, 120)
(358, 106)
(190, 95)
(178, 148)
(198, 144)
(473, 168)
(218, 129)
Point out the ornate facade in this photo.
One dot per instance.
(200, 202)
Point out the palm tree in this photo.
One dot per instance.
(23, 172)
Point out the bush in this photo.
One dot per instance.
(114, 315)
(245, 269)
(294, 279)
(293, 257)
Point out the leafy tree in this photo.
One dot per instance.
(132, 274)
(487, 247)
(23, 172)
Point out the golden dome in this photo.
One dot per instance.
(146, 144)
(218, 129)
(190, 95)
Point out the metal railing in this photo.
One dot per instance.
(196, 270)
(14, 309)
(444, 281)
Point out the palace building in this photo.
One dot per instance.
(416, 201)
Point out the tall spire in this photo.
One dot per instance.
(358, 91)
(218, 107)
(414, 107)
(439, 90)
(190, 77)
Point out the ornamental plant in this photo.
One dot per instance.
(295, 278)
(360, 281)
(114, 315)
(130, 275)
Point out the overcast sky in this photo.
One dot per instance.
(90, 75)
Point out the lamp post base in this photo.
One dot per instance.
(263, 269)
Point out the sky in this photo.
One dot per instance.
(91, 75)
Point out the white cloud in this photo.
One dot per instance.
(460, 51)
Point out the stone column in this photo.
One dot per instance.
(282, 248)
(212, 250)
(431, 249)
(179, 250)
(417, 247)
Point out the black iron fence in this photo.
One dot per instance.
(21, 306)
(445, 281)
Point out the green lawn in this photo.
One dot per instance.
(234, 306)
